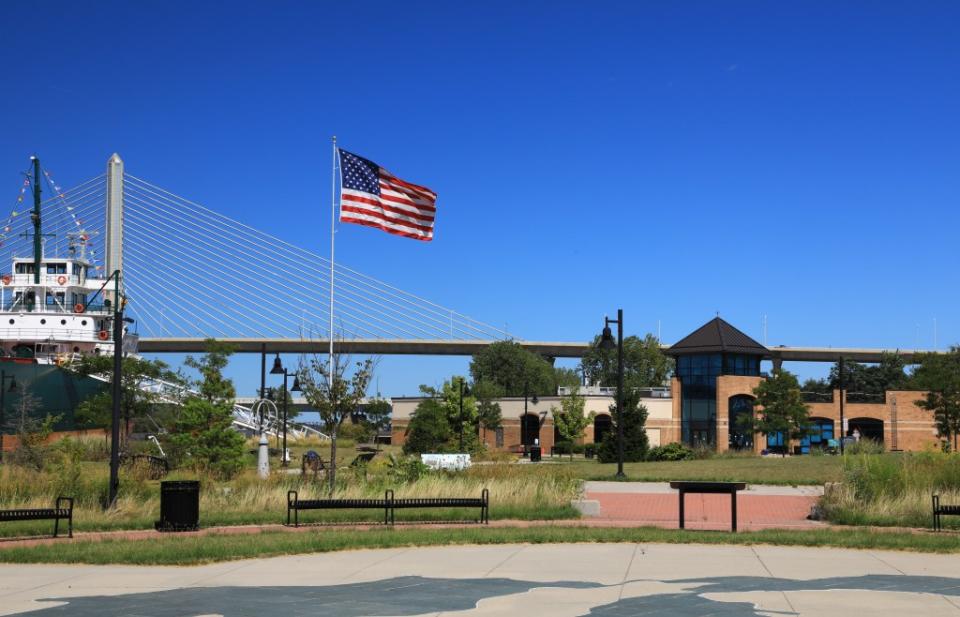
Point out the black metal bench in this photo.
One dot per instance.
(939, 510)
(444, 502)
(730, 488)
(56, 513)
(388, 504)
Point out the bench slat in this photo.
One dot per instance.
(37, 514)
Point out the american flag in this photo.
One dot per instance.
(372, 196)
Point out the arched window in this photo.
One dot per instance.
(529, 429)
(868, 428)
(740, 408)
(602, 424)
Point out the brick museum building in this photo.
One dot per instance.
(717, 368)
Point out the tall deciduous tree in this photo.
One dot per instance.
(429, 428)
(334, 394)
(570, 419)
(375, 417)
(779, 408)
(514, 369)
(489, 414)
(140, 404)
(644, 365)
(939, 375)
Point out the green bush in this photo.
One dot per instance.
(671, 452)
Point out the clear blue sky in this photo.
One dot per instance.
(798, 160)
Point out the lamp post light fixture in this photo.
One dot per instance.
(607, 344)
(3, 419)
(278, 369)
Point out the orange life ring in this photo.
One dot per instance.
(103, 335)
(78, 308)
(61, 280)
(6, 279)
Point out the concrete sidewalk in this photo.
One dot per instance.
(614, 580)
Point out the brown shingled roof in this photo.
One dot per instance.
(717, 336)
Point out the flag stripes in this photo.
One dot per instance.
(372, 196)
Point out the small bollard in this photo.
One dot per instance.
(263, 458)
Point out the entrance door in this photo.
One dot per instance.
(602, 424)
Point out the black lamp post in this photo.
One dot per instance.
(116, 390)
(535, 400)
(3, 420)
(464, 389)
(278, 369)
(606, 343)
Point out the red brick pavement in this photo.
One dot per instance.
(707, 511)
(616, 510)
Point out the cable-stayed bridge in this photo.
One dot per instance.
(190, 273)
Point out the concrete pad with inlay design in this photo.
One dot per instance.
(568, 580)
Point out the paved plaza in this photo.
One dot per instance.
(656, 504)
(609, 580)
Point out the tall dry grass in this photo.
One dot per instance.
(515, 492)
(893, 489)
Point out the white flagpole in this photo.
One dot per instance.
(333, 219)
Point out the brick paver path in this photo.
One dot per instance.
(707, 511)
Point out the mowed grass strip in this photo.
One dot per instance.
(789, 471)
(195, 550)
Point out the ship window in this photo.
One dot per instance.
(83, 323)
(57, 268)
(24, 268)
(63, 322)
(43, 322)
(76, 350)
(11, 322)
(61, 296)
(49, 298)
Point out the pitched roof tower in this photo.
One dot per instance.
(717, 336)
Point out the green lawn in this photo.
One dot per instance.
(792, 471)
(193, 550)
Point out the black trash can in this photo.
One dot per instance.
(179, 506)
(535, 454)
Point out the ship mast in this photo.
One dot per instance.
(37, 244)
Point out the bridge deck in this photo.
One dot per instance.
(470, 347)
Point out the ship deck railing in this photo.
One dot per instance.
(18, 306)
(51, 335)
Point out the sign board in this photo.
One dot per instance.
(452, 462)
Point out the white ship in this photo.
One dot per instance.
(54, 308)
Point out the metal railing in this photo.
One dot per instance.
(50, 334)
(866, 397)
(19, 306)
(651, 392)
(817, 397)
(48, 280)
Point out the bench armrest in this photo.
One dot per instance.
(67, 500)
(292, 502)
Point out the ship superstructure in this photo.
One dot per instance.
(54, 307)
